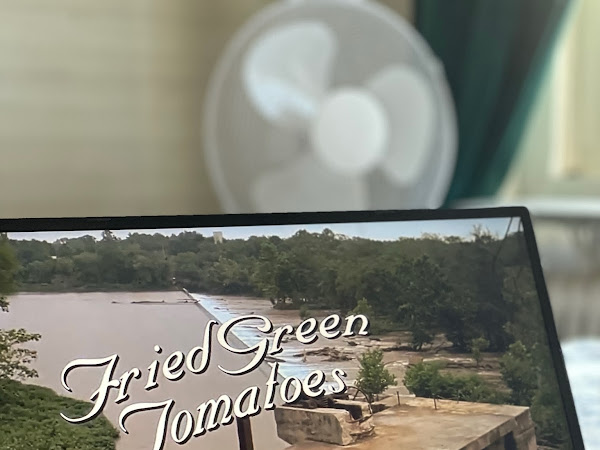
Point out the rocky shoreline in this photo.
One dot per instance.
(343, 353)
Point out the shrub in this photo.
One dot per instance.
(426, 380)
(478, 345)
(519, 374)
(304, 312)
(373, 378)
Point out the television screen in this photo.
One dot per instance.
(419, 334)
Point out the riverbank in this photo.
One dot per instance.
(30, 414)
(52, 289)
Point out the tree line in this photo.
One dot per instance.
(458, 286)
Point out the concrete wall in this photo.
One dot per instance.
(416, 424)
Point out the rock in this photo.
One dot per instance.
(413, 359)
(332, 354)
(339, 358)
(332, 426)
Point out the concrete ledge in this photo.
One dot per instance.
(416, 424)
(326, 425)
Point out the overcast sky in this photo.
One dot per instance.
(373, 230)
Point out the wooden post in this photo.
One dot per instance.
(245, 433)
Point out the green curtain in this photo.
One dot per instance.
(495, 54)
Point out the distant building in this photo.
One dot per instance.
(218, 237)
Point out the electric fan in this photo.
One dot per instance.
(328, 105)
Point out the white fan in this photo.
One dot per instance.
(329, 105)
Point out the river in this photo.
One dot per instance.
(97, 325)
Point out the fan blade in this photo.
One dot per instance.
(287, 71)
(306, 185)
(411, 107)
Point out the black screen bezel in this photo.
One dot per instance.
(235, 220)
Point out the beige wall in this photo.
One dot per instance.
(101, 101)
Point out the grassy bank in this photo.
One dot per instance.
(30, 420)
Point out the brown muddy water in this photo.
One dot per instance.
(98, 325)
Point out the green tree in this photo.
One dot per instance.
(86, 269)
(423, 379)
(8, 267)
(478, 346)
(151, 271)
(41, 272)
(347, 283)
(363, 307)
(375, 323)
(425, 292)
(519, 373)
(63, 271)
(373, 378)
(275, 276)
(185, 268)
(14, 359)
(228, 276)
(380, 281)
(457, 319)
(487, 281)
(29, 251)
(427, 380)
(109, 236)
(265, 275)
